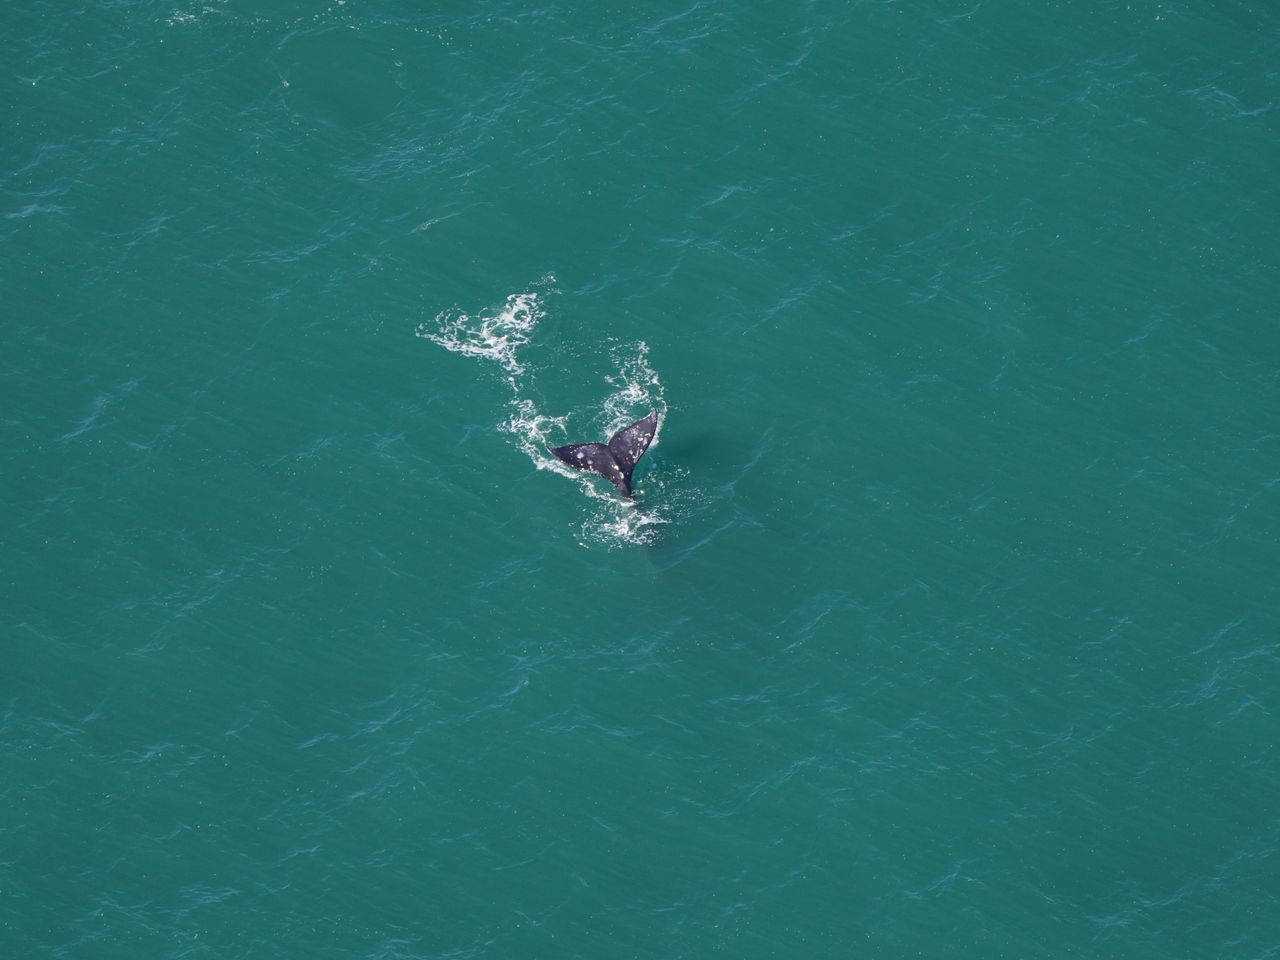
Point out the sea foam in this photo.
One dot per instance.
(497, 338)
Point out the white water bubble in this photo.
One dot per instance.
(497, 337)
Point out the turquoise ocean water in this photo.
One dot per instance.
(945, 624)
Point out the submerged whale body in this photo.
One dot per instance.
(616, 459)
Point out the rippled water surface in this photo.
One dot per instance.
(944, 620)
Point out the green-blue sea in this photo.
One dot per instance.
(945, 621)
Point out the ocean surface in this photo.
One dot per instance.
(946, 619)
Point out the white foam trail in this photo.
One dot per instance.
(636, 385)
(529, 428)
(498, 338)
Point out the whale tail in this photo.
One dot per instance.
(616, 459)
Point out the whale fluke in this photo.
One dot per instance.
(616, 459)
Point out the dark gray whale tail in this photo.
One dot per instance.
(616, 459)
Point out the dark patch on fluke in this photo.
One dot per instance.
(616, 459)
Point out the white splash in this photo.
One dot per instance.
(635, 385)
(497, 337)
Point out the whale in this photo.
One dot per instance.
(616, 459)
